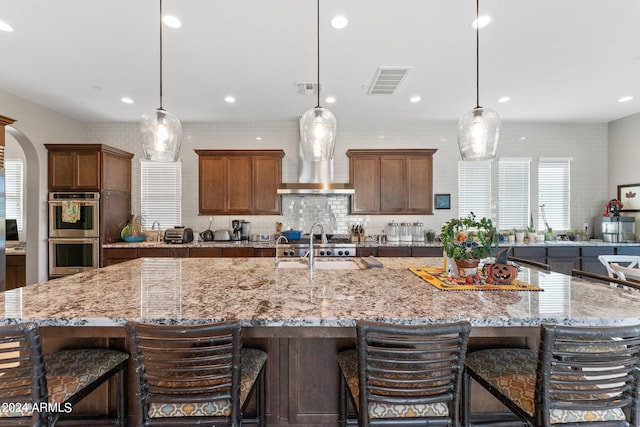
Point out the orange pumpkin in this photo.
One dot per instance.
(501, 273)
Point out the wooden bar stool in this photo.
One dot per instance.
(37, 390)
(403, 375)
(195, 374)
(579, 376)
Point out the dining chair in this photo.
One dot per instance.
(624, 260)
(195, 374)
(579, 376)
(626, 273)
(403, 374)
(37, 390)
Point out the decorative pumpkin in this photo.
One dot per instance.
(500, 271)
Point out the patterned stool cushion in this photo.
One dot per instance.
(512, 371)
(348, 362)
(252, 362)
(70, 371)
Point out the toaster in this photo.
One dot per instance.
(178, 235)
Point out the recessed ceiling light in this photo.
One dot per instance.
(5, 27)
(522, 138)
(504, 99)
(415, 99)
(330, 99)
(258, 138)
(126, 100)
(625, 99)
(339, 22)
(171, 21)
(229, 99)
(482, 21)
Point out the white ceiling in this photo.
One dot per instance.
(559, 60)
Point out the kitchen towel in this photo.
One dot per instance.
(438, 278)
(371, 262)
(70, 211)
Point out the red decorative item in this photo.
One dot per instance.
(613, 208)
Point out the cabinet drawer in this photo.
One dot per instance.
(163, 252)
(597, 250)
(628, 250)
(205, 252)
(528, 253)
(563, 252)
(394, 252)
(237, 252)
(264, 252)
(364, 252)
(427, 251)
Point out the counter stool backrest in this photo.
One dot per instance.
(190, 369)
(410, 365)
(22, 375)
(586, 369)
(624, 260)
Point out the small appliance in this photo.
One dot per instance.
(178, 235)
(245, 230)
(236, 230)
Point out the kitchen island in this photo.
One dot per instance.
(300, 319)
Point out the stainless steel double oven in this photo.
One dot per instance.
(74, 232)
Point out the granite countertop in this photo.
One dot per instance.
(190, 290)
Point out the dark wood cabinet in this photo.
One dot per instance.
(205, 252)
(88, 167)
(426, 251)
(111, 256)
(171, 252)
(16, 272)
(394, 251)
(391, 181)
(239, 181)
(366, 251)
(240, 252)
(264, 252)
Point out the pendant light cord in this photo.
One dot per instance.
(477, 54)
(318, 47)
(161, 55)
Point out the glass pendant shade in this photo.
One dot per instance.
(478, 132)
(160, 134)
(318, 134)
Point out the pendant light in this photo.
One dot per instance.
(478, 129)
(160, 131)
(318, 125)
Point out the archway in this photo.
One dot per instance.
(35, 219)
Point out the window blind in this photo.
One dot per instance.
(13, 173)
(514, 193)
(554, 192)
(160, 193)
(474, 189)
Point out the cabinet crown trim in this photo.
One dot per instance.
(279, 153)
(404, 151)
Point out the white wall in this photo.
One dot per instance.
(624, 156)
(585, 143)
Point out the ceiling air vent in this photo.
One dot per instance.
(387, 80)
(307, 89)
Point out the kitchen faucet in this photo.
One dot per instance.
(323, 239)
(158, 233)
(278, 241)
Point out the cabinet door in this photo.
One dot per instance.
(365, 177)
(419, 184)
(112, 256)
(266, 175)
(61, 170)
(238, 184)
(393, 194)
(212, 185)
(87, 170)
(563, 259)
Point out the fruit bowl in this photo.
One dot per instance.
(132, 239)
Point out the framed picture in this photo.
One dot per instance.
(443, 201)
(629, 195)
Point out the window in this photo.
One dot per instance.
(553, 192)
(160, 193)
(513, 189)
(474, 188)
(13, 172)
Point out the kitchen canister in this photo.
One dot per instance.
(417, 234)
(393, 232)
(405, 232)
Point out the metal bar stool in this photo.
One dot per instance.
(403, 374)
(37, 390)
(195, 374)
(579, 376)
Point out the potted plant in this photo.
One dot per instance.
(531, 230)
(467, 240)
(519, 232)
(548, 232)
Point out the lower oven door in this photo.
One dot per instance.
(71, 256)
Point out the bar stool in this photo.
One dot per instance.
(403, 374)
(195, 374)
(579, 376)
(37, 390)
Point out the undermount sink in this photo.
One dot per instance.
(346, 264)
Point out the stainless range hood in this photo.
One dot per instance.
(315, 178)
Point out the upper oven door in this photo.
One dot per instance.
(74, 217)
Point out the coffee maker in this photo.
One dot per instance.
(246, 230)
(236, 232)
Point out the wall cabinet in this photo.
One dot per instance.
(391, 181)
(239, 181)
(88, 167)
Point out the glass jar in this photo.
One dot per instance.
(405, 232)
(418, 232)
(393, 232)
